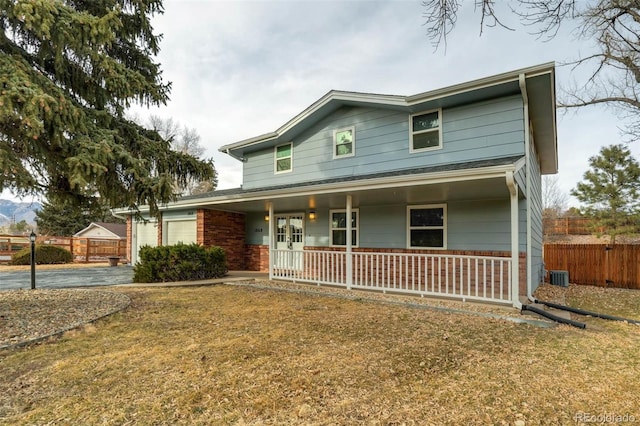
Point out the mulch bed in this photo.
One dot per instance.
(27, 316)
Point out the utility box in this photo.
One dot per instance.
(560, 278)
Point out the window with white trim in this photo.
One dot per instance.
(427, 226)
(344, 142)
(338, 227)
(283, 158)
(426, 131)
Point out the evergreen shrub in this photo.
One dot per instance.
(45, 255)
(180, 262)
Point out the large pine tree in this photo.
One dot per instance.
(611, 191)
(68, 71)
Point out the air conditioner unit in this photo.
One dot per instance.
(560, 278)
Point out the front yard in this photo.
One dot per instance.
(243, 355)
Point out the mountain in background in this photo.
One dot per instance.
(18, 210)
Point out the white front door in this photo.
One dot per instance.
(289, 230)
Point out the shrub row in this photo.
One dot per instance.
(45, 255)
(180, 262)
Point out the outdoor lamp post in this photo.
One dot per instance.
(32, 238)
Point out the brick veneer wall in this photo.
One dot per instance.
(257, 257)
(226, 230)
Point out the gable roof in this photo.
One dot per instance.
(117, 229)
(538, 82)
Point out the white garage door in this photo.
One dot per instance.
(180, 231)
(146, 235)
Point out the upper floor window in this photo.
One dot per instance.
(338, 225)
(427, 226)
(344, 142)
(426, 131)
(283, 158)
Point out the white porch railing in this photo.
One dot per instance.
(482, 278)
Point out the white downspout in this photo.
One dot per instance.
(349, 265)
(515, 246)
(270, 226)
(527, 154)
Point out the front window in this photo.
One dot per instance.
(426, 131)
(427, 226)
(338, 225)
(344, 142)
(283, 157)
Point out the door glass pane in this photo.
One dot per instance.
(295, 226)
(281, 229)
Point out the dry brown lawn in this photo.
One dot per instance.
(248, 356)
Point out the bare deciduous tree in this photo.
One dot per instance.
(614, 26)
(554, 200)
(186, 141)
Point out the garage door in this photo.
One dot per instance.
(146, 235)
(180, 231)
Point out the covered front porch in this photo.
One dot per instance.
(476, 249)
(374, 251)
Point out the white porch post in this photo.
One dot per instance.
(349, 242)
(515, 247)
(270, 234)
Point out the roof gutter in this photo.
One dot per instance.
(527, 156)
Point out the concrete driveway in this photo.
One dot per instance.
(68, 278)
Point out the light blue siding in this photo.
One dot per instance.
(383, 226)
(480, 131)
(256, 229)
(535, 199)
(472, 225)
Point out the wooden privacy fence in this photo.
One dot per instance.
(596, 264)
(83, 249)
(567, 226)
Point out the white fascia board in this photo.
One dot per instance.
(126, 211)
(85, 229)
(369, 184)
(469, 86)
(332, 96)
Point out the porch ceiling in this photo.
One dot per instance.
(490, 188)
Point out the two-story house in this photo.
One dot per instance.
(437, 193)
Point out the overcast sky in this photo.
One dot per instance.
(240, 69)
